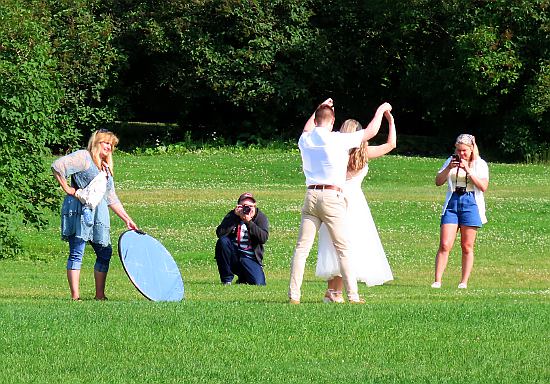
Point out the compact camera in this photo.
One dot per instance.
(455, 158)
(460, 190)
(246, 209)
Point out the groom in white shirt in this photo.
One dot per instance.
(325, 159)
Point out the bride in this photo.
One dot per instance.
(368, 260)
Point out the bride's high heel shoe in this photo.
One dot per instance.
(332, 296)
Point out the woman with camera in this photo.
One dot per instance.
(467, 177)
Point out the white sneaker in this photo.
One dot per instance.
(462, 286)
(436, 284)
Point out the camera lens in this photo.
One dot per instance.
(246, 209)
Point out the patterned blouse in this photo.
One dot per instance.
(82, 170)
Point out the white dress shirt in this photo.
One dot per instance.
(325, 155)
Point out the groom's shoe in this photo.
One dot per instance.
(356, 299)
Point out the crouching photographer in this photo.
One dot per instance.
(240, 246)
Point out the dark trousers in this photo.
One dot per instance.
(231, 262)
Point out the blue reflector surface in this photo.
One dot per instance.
(150, 267)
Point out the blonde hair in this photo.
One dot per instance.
(470, 141)
(358, 157)
(94, 147)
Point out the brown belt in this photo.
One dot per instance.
(322, 186)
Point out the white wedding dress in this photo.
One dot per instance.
(368, 258)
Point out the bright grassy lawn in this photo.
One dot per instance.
(496, 331)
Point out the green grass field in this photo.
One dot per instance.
(496, 331)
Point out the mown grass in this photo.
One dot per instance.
(496, 331)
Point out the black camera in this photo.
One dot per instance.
(460, 190)
(246, 209)
(455, 158)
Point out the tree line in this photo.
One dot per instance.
(252, 70)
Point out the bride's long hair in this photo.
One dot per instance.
(358, 157)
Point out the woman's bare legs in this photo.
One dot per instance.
(467, 240)
(446, 241)
(336, 283)
(73, 277)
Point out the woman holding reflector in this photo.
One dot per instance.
(83, 167)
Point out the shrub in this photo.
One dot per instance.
(30, 97)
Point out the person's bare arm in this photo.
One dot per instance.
(441, 177)
(374, 126)
(121, 212)
(380, 150)
(481, 183)
(63, 183)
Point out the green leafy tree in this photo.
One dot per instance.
(478, 66)
(55, 62)
(81, 39)
(447, 66)
(30, 97)
(228, 66)
(252, 67)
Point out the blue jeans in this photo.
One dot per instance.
(76, 253)
(231, 262)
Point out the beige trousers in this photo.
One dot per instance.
(329, 207)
